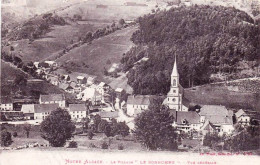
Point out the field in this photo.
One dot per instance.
(82, 141)
(56, 40)
(221, 95)
(101, 53)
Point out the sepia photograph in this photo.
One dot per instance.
(130, 82)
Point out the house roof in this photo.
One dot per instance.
(77, 107)
(52, 97)
(240, 113)
(139, 99)
(74, 75)
(90, 93)
(52, 78)
(191, 117)
(92, 78)
(214, 110)
(5, 100)
(38, 108)
(81, 77)
(102, 84)
(63, 86)
(109, 114)
(217, 114)
(119, 90)
(207, 126)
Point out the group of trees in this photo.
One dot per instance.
(110, 129)
(36, 27)
(153, 127)
(206, 39)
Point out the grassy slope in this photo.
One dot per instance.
(56, 40)
(221, 95)
(96, 55)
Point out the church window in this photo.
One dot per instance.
(174, 82)
(173, 99)
(173, 91)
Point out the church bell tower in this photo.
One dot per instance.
(174, 99)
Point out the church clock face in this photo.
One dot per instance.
(173, 99)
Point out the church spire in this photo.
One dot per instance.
(175, 70)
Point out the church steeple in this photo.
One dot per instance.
(175, 70)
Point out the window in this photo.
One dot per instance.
(173, 91)
(173, 99)
(174, 82)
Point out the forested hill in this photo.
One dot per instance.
(207, 40)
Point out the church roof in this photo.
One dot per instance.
(175, 69)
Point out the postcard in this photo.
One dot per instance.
(130, 82)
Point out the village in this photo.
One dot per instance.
(99, 99)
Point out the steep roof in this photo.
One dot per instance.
(63, 86)
(216, 114)
(5, 100)
(191, 117)
(38, 108)
(175, 69)
(52, 97)
(214, 110)
(240, 113)
(119, 90)
(109, 114)
(77, 107)
(139, 100)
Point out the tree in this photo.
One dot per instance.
(90, 134)
(102, 125)
(20, 81)
(153, 127)
(121, 21)
(6, 138)
(57, 127)
(27, 128)
(123, 129)
(85, 121)
(108, 131)
(97, 120)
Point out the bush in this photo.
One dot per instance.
(73, 144)
(90, 134)
(104, 145)
(91, 145)
(120, 147)
(15, 134)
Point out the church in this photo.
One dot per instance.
(175, 98)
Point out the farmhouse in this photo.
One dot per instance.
(242, 118)
(53, 98)
(38, 111)
(90, 94)
(53, 80)
(186, 121)
(78, 111)
(136, 104)
(81, 80)
(219, 117)
(109, 115)
(6, 104)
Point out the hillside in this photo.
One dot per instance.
(208, 41)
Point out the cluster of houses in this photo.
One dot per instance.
(208, 118)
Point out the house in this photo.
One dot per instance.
(109, 115)
(36, 64)
(66, 87)
(6, 104)
(119, 92)
(102, 88)
(81, 80)
(207, 128)
(53, 80)
(137, 103)
(90, 94)
(219, 117)
(38, 111)
(186, 121)
(53, 98)
(91, 80)
(51, 63)
(242, 117)
(78, 111)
